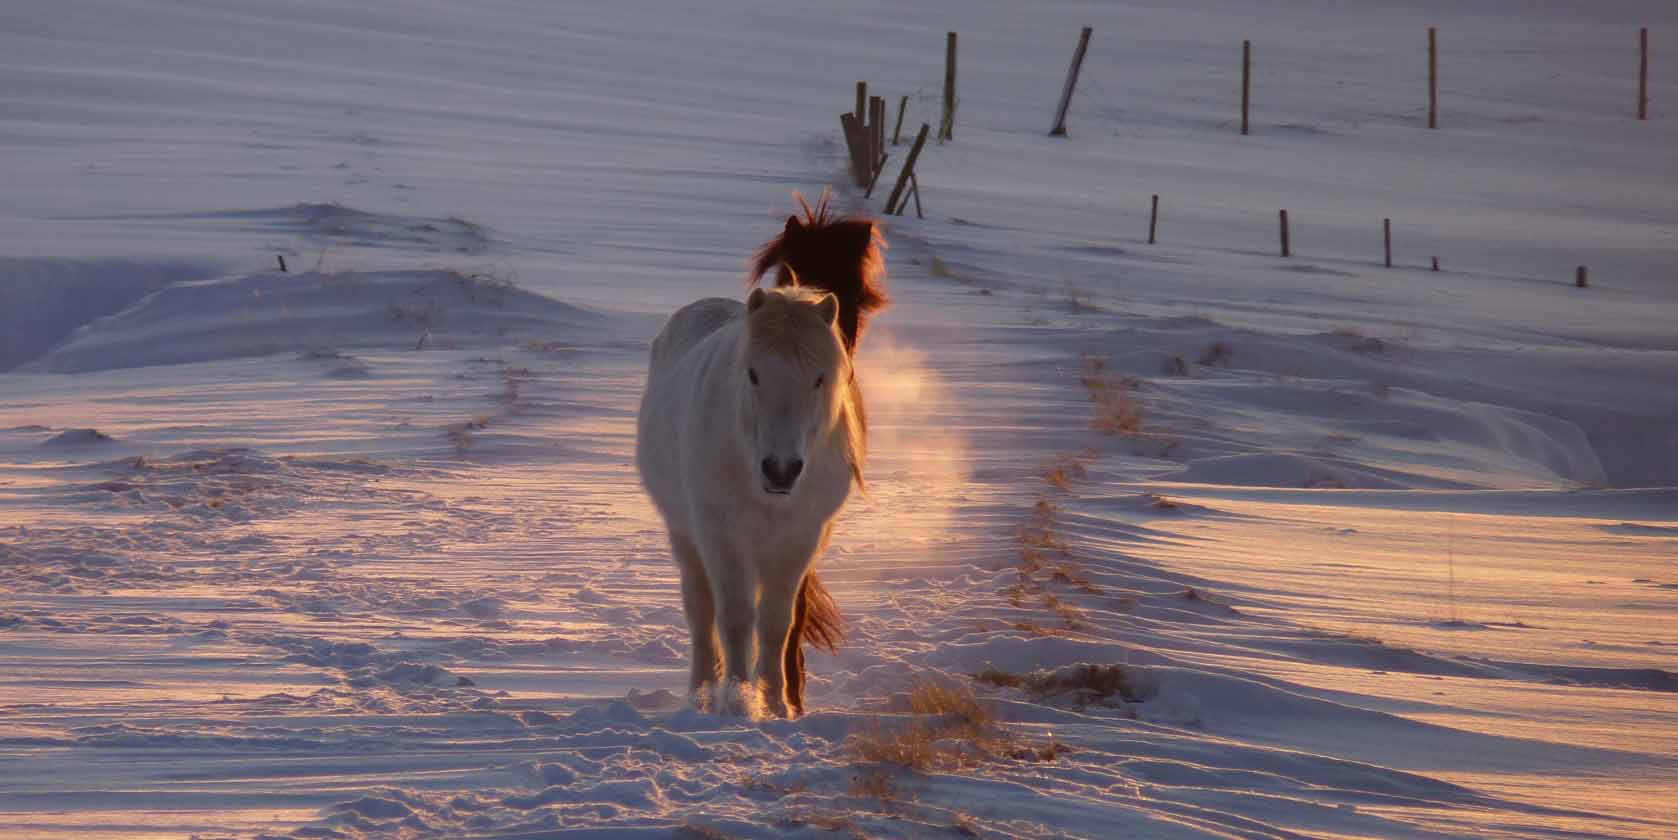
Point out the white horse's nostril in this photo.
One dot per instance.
(781, 476)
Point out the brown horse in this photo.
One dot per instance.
(844, 256)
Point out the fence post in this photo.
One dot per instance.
(1387, 239)
(947, 128)
(1286, 250)
(854, 142)
(1643, 73)
(908, 169)
(876, 133)
(281, 258)
(1435, 263)
(1153, 219)
(902, 105)
(1246, 80)
(1580, 279)
(1059, 129)
(1432, 77)
(861, 112)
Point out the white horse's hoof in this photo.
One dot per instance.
(703, 697)
(739, 699)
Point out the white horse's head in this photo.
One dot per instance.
(794, 379)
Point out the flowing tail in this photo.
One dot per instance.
(815, 619)
(822, 625)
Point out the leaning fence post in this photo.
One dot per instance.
(1059, 129)
(1432, 77)
(902, 105)
(1246, 80)
(1387, 239)
(1153, 218)
(947, 128)
(908, 169)
(1286, 251)
(1643, 73)
(281, 258)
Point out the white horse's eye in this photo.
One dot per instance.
(752, 373)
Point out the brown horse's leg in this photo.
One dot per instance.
(794, 659)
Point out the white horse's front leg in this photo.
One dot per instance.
(702, 620)
(774, 621)
(734, 589)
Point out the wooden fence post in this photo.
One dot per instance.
(902, 105)
(1153, 219)
(947, 128)
(1246, 80)
(908, 168)
(1432, 77)
(1643, 73)
(1580, 279)
(1435, 263)
(1059, 129)
(861, 112)
(876, 133)
(1286, 250)
(1387, 239)
(281, 258)
(854, 141)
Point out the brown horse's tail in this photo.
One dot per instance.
(823, 625)
(815, 619)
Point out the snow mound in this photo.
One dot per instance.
(263, 314)
(44, 300)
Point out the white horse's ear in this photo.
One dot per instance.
(829, 308)
(755, 300)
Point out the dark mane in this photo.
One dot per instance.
(843, 255)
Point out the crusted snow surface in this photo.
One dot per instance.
(1223, 545)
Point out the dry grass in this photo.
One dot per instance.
(1117, 410)
(1062, 470)
(1085, 684)
(952, 729)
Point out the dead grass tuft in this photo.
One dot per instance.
(951, 729)
(1117, 410)
(1086, 684)
(1062, 470)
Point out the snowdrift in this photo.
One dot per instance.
(263, 314)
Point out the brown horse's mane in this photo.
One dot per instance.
(844, 255)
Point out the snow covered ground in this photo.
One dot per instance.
(357, 551)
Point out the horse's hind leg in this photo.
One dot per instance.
(794, 660)
(702, 618)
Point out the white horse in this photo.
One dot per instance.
(749, 437)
